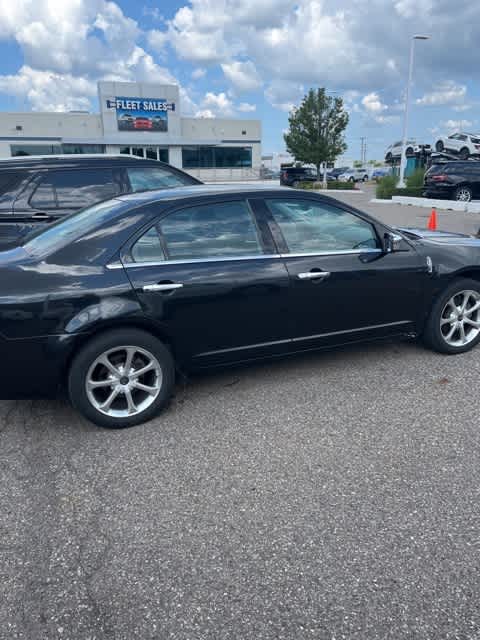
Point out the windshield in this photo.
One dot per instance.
(48, 239)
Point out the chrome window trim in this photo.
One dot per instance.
(260, 256)
(160, 263)
(340, 252)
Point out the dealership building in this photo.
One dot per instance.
(143, 120)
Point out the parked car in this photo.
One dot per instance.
(37, 190)
(463, 144)
(126, 122)
(354, 175)
(380, 173)
(159, 123)
(332, 174)
(395, 149)
(293, 176)
(112, 300)
(456, 180)
(143, 123)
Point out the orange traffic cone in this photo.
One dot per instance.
(432, 221)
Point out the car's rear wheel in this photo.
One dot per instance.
(453, 325)
(351, 179)
(463, 193)
(409, 151)
(439, 146)
(365, 178)
(295, 184)
(121, 378)
(464, 153)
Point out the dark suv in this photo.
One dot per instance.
(38, 190)
(292, 176)
(456, 180)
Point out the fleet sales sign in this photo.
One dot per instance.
(141, 114)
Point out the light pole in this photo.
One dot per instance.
(403, 158)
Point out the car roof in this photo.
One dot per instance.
(178, 193)
(73, 160)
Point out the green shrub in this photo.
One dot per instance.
(385, 187)
(334, 184)
(413, 192)
(415, 180)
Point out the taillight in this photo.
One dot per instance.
(440, 177)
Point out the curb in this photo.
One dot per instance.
(429, 203)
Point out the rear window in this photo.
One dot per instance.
(48, 239)
(436, 169)
(151, 178)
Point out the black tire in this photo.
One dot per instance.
(295, 184)
(365, 178)
(464, 154)
(432, 335)
(104, 342)
(409, 151)
(439, 146)
(463, 193)
(351, 179)
(388, 157)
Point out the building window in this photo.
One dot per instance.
(83, 148)
(216, 157)
(34, 149)
(125, 151)
(163, 155)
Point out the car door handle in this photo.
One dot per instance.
(42, 216)
(313, 275)
(166, 286)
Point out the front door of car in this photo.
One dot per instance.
(344, 286)
(208, 275)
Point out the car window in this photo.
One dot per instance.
(9, 183)
(224, 229)
(148, 247)
(49, 238)
(149, 178)
(462, 137)
(74, 189)
(316, 227)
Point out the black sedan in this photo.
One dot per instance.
(111, 301)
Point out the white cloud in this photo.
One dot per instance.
(242, 75)
(48, 91)
(198, 73)
(373, 104)
(218, 104)
(67, 46)
(456, 125)
(447, 92)
(246, 107)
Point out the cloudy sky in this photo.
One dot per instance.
(251, 58)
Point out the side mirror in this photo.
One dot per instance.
(392, 242)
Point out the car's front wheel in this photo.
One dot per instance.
(351, 179)
(439, 146)
(453, 325)
(121, 378)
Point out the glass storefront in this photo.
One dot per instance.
(150, 152)
(216, 157)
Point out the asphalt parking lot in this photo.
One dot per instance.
(331, 496)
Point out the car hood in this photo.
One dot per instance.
(440, 237)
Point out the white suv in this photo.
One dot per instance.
(465, 144)
(354, 175)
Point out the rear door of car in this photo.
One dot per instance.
(58, 192)
(343, 286)
(209, 275)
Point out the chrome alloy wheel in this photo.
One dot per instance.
(124, 381)
(460, 319)
(463, 195)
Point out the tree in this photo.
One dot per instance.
(316, 129)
